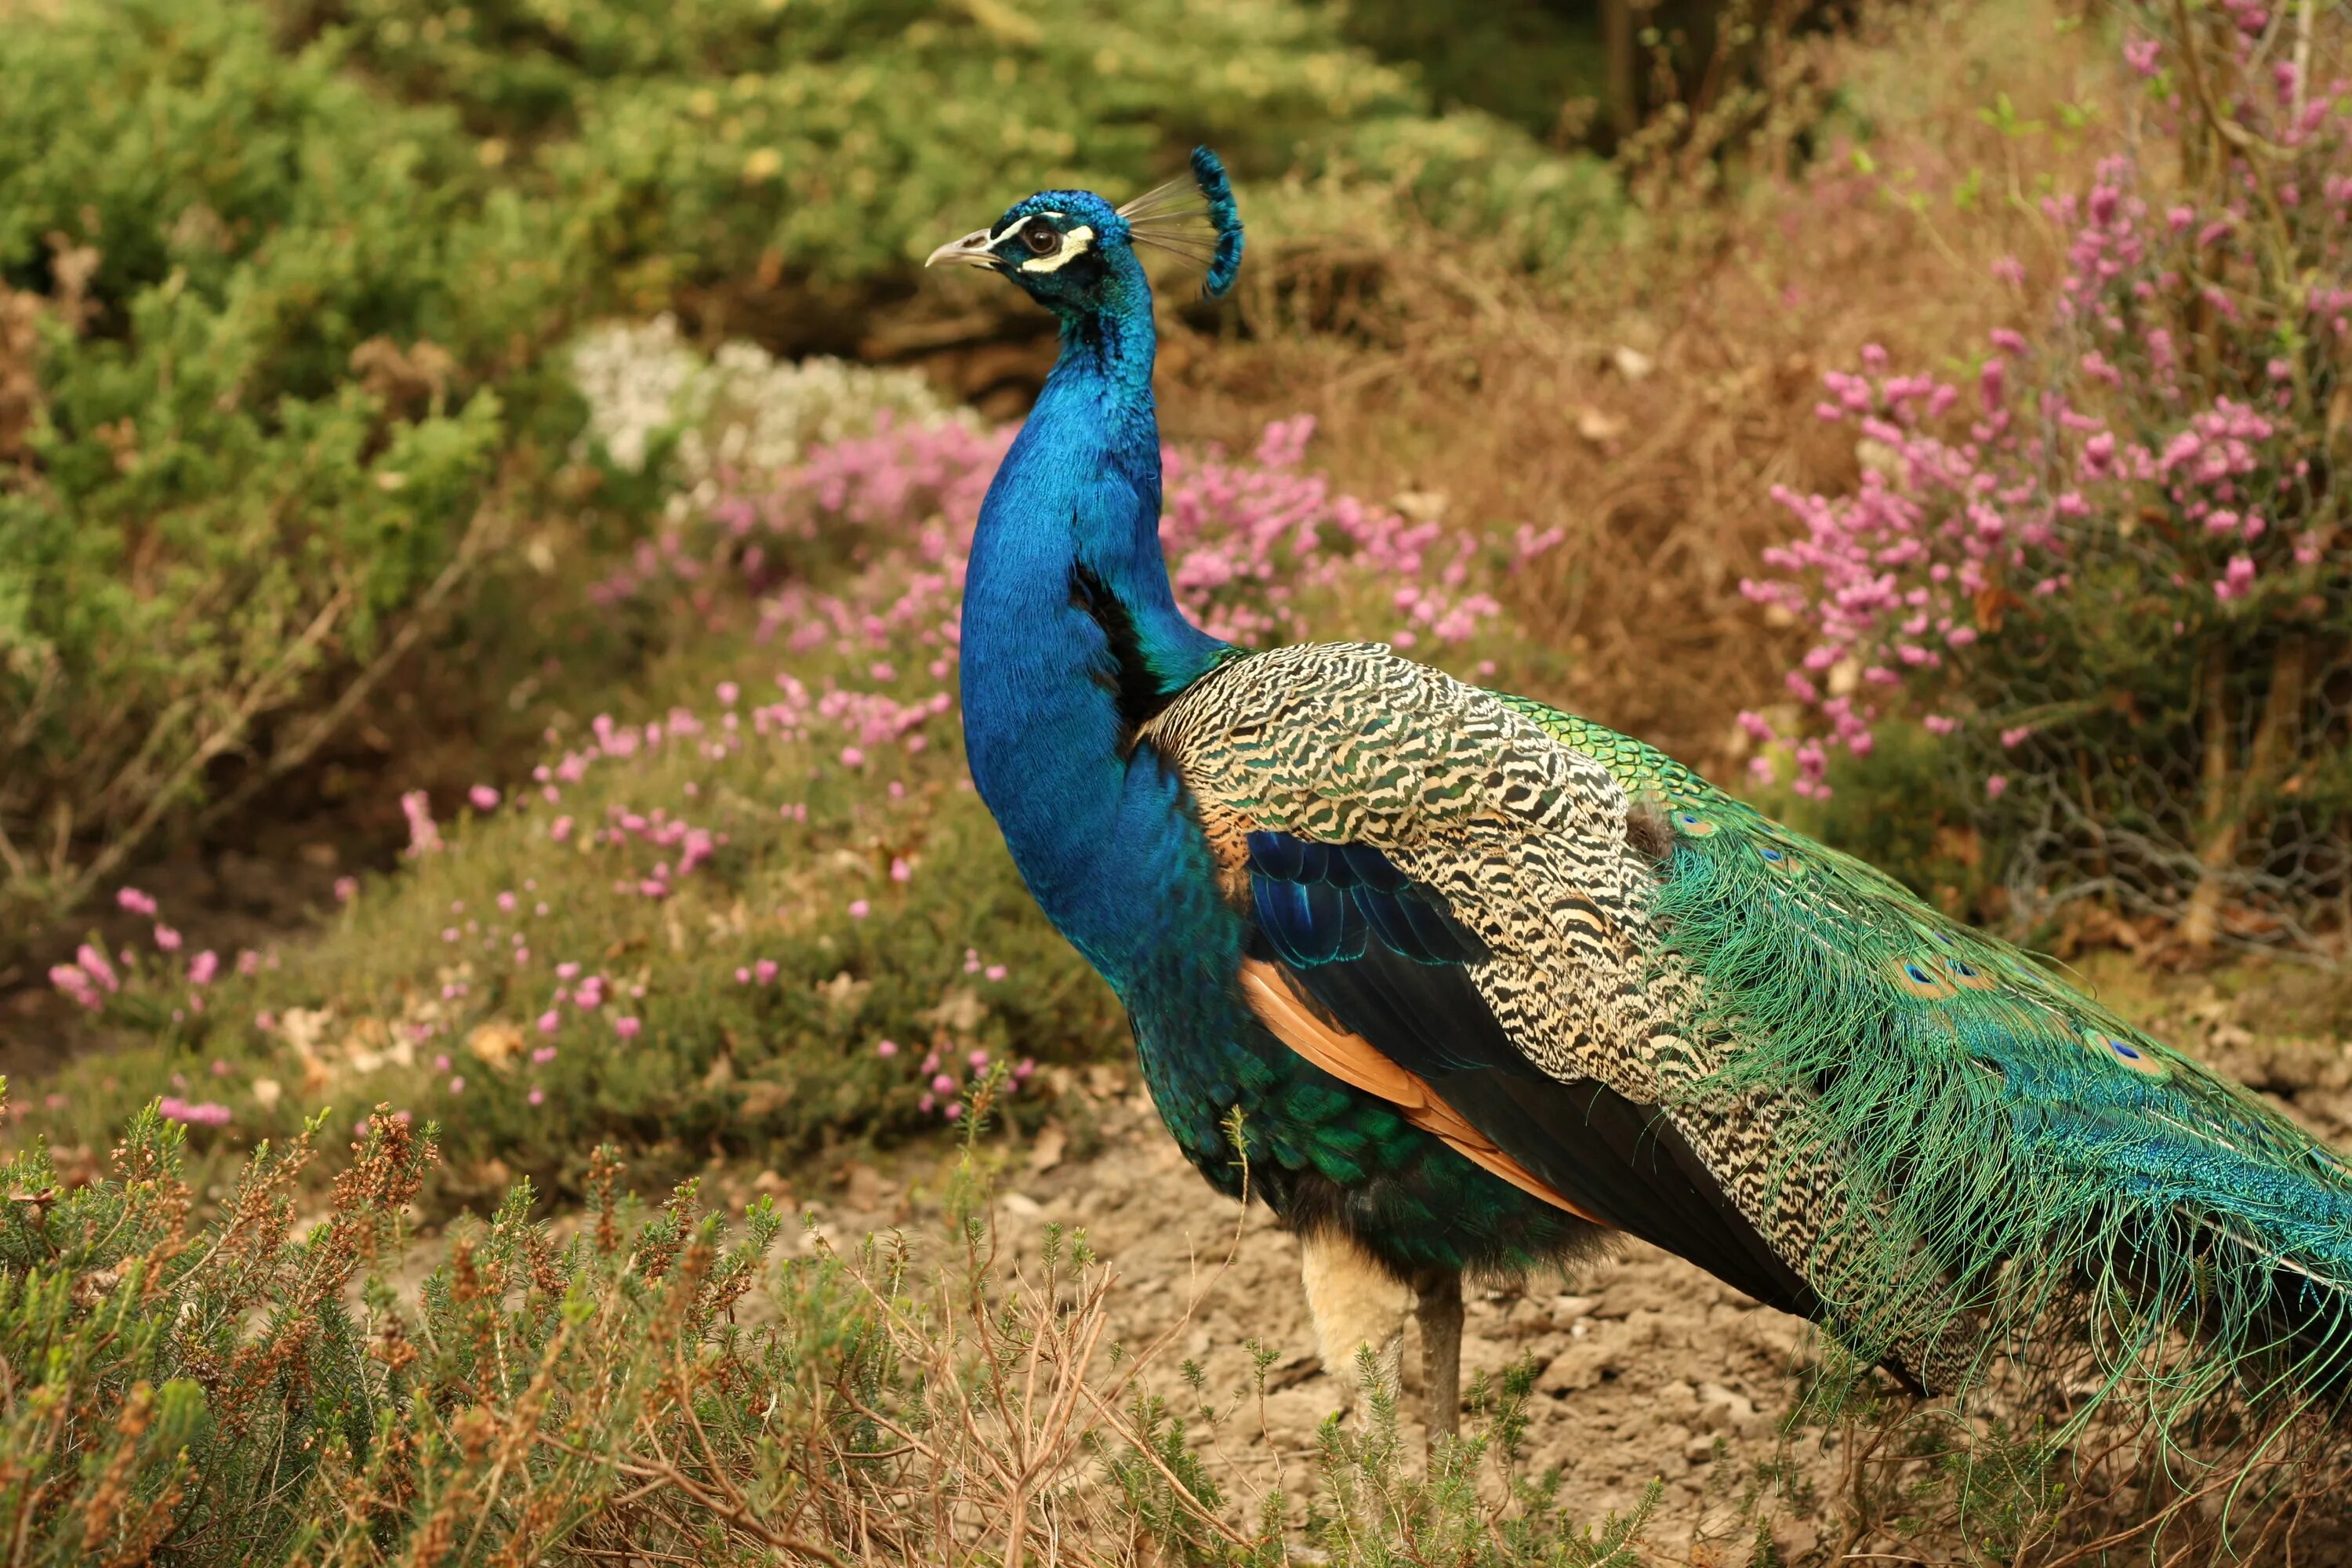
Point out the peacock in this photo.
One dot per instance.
(1456, 982)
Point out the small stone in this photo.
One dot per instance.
(1581, 1366)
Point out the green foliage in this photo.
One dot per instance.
(279, 292)
(757, 992)
(268, 318)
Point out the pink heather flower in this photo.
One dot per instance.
(886, 1049)
(852, 757)
(93, 963)
(483, 797)
(167, 938)
(506, 903)
(1996, 785)
(550, 1021)
(979, 1060)
(2140, 53)
(542, 1054)
(764, 971)
(1938, 724)
(559, 830)
(457, 1084)
(75, 983)
(424, 836)
(567, 970)
(859, 908)
(926, 1102)
(2011, 739)
(536, 1096)
(346, 889)
(944, 1083)
(743, 975)
(137, 902)
(2008, 269)
(202, 1113)
(995, 972)
(627, 1027)
(2237, 580)
(900, 870)
(728, 692)
(1024, 1066)
(266, 1021)
(954, 1111)
(203, 967)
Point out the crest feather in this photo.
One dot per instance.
(1192, 217)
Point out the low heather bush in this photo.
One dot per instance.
(249, 1390)
(2113, 576)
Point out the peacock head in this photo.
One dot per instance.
(1074, 252)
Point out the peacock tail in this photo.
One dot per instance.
(2051, 1159)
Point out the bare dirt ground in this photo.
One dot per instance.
(1649, 1367)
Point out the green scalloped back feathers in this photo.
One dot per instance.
(2039, 1149)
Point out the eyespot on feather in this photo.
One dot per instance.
(2130, 1054)
(1966, 975)
(1920, 977)
(1691, 824)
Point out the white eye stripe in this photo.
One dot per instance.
(999, 236)
(1074, 244)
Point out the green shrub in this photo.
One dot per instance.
(282, 296)
(271, 320)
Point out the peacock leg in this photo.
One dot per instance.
(1357, 1303)
(1439, 1305)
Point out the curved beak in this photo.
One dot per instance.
(971, 251)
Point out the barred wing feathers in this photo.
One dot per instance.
(1442, 882)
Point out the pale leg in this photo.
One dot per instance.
(1355, 1301)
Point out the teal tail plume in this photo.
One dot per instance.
(2055, 1168)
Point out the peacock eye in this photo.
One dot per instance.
(1040, 238)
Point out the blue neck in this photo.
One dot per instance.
(1071, 633)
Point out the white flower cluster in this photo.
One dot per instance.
(741, 409)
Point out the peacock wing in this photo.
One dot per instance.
(1451, 909)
